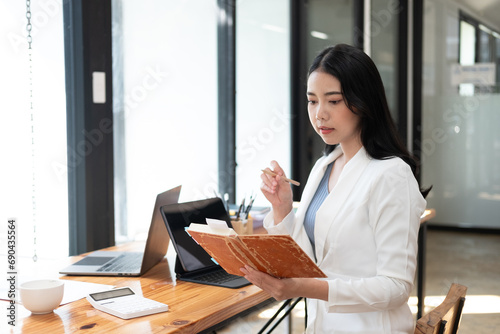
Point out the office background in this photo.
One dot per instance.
(206, 93)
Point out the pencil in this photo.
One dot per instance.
(265, 171)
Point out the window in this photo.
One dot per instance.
(467, 43)
(263, 92)
(467, 53)
(50, 218)
(478, 44)
(165, 95)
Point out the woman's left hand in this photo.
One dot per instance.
(279, 289)
(286, 288)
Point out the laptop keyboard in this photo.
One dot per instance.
(218, 277)
(127, 262)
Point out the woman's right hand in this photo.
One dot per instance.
(277, 191)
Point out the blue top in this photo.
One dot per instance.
(318, 199)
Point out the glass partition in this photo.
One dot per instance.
(328, 23)
(460, 146)
(384, 47)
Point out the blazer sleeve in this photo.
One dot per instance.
(394, 209)
(292, 224)
(283, 227)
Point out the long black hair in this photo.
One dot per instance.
(363, 92)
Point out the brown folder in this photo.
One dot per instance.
(277, 255)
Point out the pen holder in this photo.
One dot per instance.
(242, 226)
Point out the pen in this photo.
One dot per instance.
(265, 171)
(249, 207)
(240, 208)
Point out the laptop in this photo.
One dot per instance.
(110, 263)
(193, 263)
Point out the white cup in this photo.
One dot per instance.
(42, 296)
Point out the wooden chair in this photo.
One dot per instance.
(445, 318)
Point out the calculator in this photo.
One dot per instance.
(124, 303)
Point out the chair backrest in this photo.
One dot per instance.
(445, 318)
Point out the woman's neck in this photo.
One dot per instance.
(350, 149)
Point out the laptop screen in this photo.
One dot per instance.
(177, 218)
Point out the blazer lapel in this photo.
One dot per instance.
(335, 200)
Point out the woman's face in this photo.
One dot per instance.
(328, 113)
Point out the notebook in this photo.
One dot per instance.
(110, 263)
(193, 264)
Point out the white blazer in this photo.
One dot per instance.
(366, 234)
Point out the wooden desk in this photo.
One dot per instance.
(192, 307)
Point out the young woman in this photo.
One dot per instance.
(360, 210)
